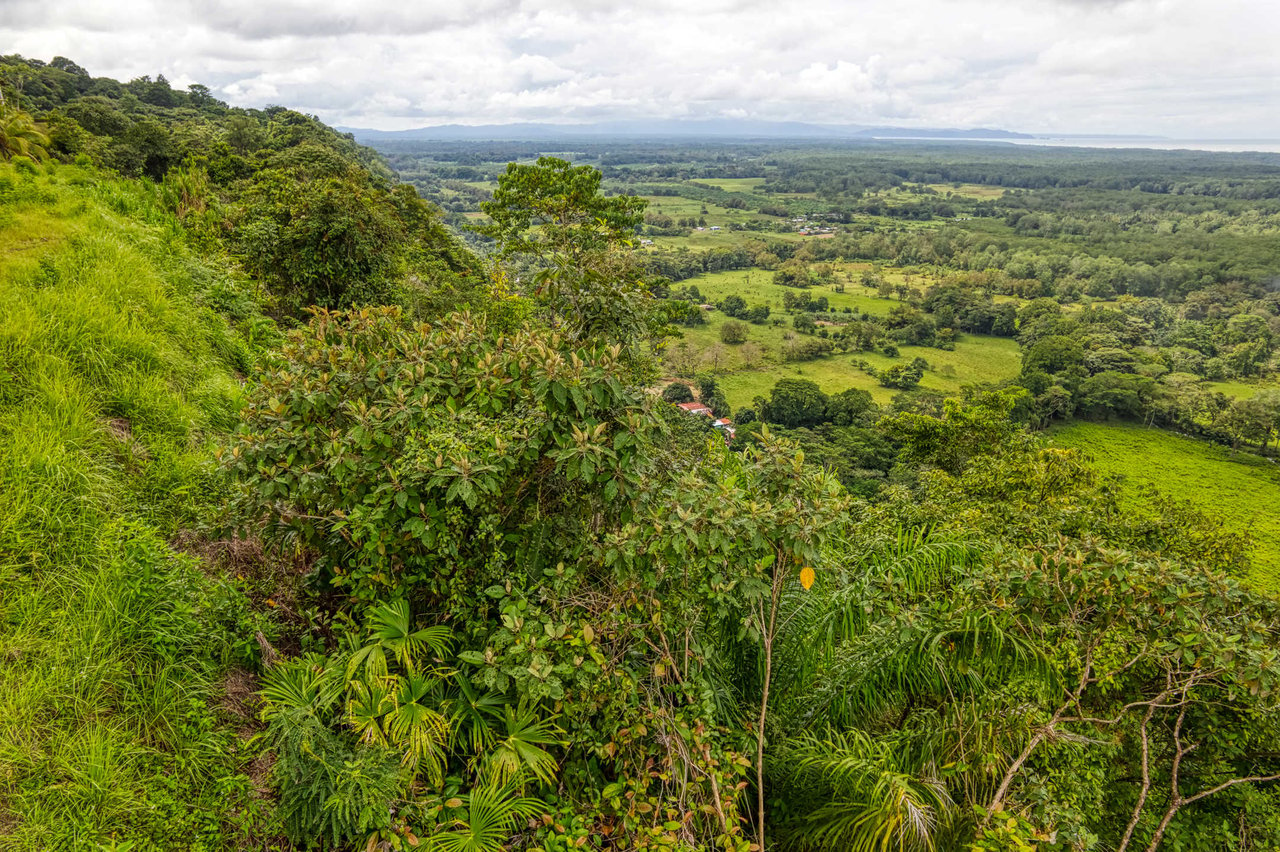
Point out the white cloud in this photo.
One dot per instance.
(1176, 67)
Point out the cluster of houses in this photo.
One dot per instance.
(723, 424)
(811, 229)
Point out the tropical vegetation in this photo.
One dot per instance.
(321, 529)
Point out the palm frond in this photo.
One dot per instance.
(391, 627)
(491, 816)
(877, 800)
(308, 682)
(520, 748)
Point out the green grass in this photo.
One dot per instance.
(1242, 489)
(733, 184)
(976, 359)
(114, 381)
(1241, 390)
(968, 190)
(756, 286)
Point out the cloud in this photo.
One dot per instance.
(1176, 67)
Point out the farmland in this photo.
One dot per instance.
(975, 359)
(1238, 487)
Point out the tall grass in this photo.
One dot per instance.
(114, 379)
(1240, 488)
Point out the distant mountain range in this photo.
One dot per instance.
(665, 129)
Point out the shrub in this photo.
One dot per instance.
(733, 332)
(677, 392)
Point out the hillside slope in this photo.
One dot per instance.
(116, 373)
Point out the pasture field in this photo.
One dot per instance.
(700, 240)
(756, 286)
(976, 358)
(1241, 389)
(1241, 488)
(979, 191)
(733, 184)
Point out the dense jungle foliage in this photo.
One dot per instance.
(321, 531)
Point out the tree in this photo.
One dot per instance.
(781, 513)
(244, 134)
(677, 392)
(390, 520)
(146, 148)
(903, 376)
(20, 136)
(553, 214)
(1054, 354)
(329, 242)
(850, 407)
(713, 356)
(795, 402)
(732, 305)
(681, 359)
(964, 429)
(734, 332)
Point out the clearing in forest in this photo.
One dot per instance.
(1241, 488)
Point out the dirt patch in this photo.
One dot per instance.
(239, 691)
(122, 430)
(272, 582)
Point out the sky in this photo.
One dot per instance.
(1179, 68)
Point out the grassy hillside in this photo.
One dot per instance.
(116, 373)
(1242, 488)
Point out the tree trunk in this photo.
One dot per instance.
(767, 632)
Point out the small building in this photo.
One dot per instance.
(695, 408)
(715, 227)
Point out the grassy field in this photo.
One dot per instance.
(975, 359)
(968, 190)
(733, 184)
(1241, 390)
(115, 378)
(1241, 488)
(756, 286)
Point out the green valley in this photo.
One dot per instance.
(750, 495)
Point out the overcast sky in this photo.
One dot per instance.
(1183, 68)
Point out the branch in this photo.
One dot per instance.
(1225, 784)
(1146, 781)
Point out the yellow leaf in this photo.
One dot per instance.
(453, 803)
(807, 577)
(588, 633)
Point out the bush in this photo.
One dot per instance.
(807, 350)
(734, 332)
(903, 376)
(677, 392)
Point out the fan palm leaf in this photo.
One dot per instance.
(492, 814)
(520, 749)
